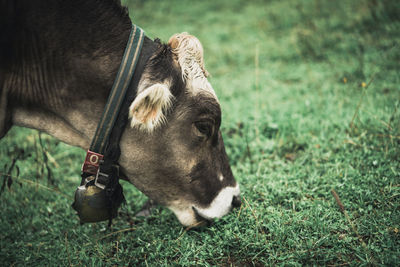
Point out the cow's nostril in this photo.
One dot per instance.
(236, 201)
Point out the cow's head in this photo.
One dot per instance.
(174, 151)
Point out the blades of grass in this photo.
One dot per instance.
(67, 248)
(365, 87)
(37, 185)
(353, 227)
(117, 232)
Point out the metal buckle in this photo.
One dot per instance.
(101, 180)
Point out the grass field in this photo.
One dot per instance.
(311, 121)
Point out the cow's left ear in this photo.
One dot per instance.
(147, 110)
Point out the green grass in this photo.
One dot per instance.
(311, 103)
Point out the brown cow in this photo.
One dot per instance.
(58, 60)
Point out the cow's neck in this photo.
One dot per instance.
(64, 92)
(72, 126)
(75, 123)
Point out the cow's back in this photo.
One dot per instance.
(49, 48)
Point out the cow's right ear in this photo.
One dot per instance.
(147, 110)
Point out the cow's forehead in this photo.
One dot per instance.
(201, 86)
(207, 104)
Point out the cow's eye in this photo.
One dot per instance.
(204, 127)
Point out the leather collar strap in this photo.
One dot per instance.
(126, 70)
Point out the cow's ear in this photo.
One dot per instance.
(147, 110)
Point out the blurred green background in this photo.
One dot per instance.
(310, 98)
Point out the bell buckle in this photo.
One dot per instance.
(101, 180)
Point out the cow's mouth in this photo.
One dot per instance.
(201, 221)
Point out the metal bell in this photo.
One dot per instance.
(93, 204)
